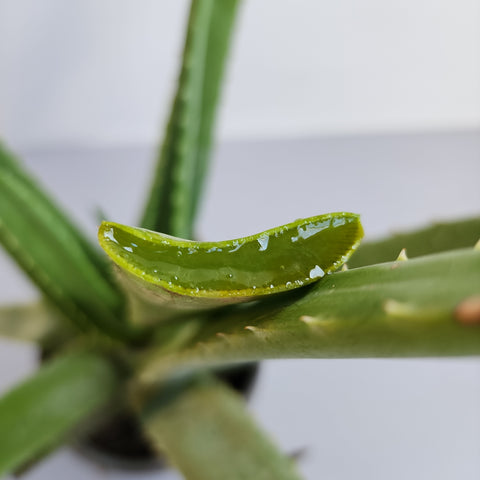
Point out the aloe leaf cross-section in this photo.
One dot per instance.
(183, 273)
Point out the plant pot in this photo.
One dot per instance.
(118, 441)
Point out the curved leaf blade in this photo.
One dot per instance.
(40, 412)
(181, 274)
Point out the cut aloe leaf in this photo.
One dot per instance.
(183, 273)
(427, 306)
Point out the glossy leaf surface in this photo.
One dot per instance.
(36, 415)
(183, 158)
(277, 260)
(207, 433)
(400, 309)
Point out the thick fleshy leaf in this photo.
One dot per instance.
(429, 306)
(435, 238)
(206, 432)
(10, 164)
(55, 255)
(183, 158)
(181, 274)
(39, 413)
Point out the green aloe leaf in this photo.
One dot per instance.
(38, 414)
(182, 274)
(32, 322)
(183, 158)
(55, 255)
(206, 432)
(10, 164)
(429, 306)
(436, 238)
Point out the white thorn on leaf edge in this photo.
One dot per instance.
(259, 332)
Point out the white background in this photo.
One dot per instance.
(101, 72)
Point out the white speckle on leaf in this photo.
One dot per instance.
(263, 241)
(316, 272)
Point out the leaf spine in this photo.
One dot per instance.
(258, 332)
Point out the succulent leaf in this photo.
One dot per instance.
(399, 309)
(184, 274)
(436, 238)
(183, 158)
(207, 433)
(9, 163)
(55, 255)
(38, 414)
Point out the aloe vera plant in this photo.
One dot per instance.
(154, 330)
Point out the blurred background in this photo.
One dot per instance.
(100, 73)
(371, 106)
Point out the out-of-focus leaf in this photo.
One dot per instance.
(55, 255)
(32, 322)
(436, 238)
(183, 158)
(38, 414)
(427, 306)
(206, 432)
